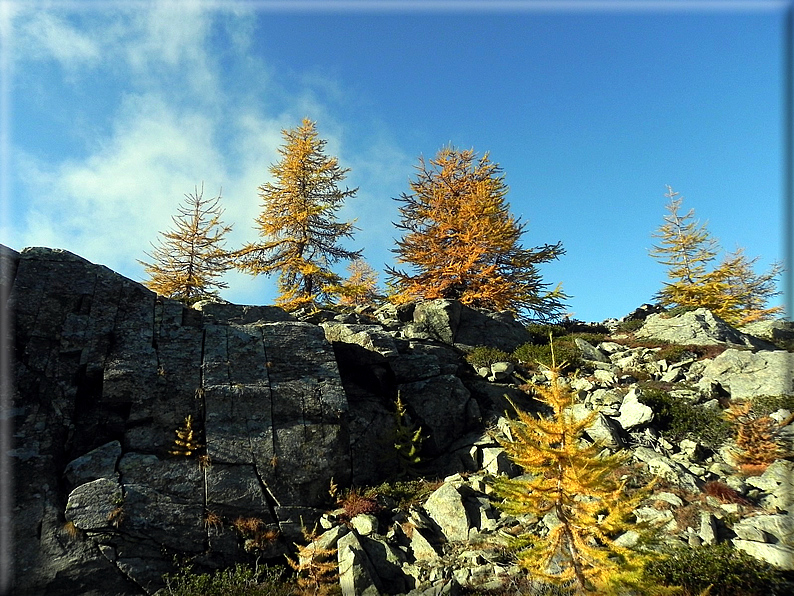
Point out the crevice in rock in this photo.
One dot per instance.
(272, 406)
(200, 394)
(156, 324)
(270, 498)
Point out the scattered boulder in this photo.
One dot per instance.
(357, 575)
(744, 375)
(91, 506)
(107, 371)
(766, 528)
(775, 331)
(590, 352)
(633, 412)
(97, 463)
(779, 555)
(697, 327)
(453, 323)
(445, 507)
(369, 337)
(777, 482)
(668, 469)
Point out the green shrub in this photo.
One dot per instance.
(678, 419)
(404, 492)
(678, 310)
(239, 581)
(564, 351)
(591, 338)
(629, 326)
(783, 344)
(729, 572)
(763, 405)
(539, 333)
(674, 353)
(485, 356)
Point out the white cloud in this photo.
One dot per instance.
(109, 205)
(171, 42)
(44, 36)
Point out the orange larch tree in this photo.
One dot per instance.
(190, 258)
(732, 290)
(461, 241)
(361, 285)
(298, 224)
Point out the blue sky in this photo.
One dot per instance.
(114, 110)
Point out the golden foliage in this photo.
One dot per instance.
(577, 483)
(116, 516)
(732, 290)
(298, 224)
(71, 530)
(257, 534)
(361, 285)
(407, 442)
(212, 520)
(316, 567)
(756, 437)
(461, 241)
(186, 442)
(191, 257)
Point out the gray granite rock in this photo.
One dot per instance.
(697, 327)
(453, 323)
(445, 507)
(97, 463)
(357, 575)
(745, 375)
(633, 413)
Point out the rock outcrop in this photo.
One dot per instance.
(280, 409)
(106, 372)
(697, 327)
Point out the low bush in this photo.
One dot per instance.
(564, 351)
(404, 492)
(355, 502)
(729, 572)
(591, 338)
(724, 493)
(242, 580)
(629, 326)
(674, 353)
(763, 405)
(539, 333)
(677, 311)
(485, 356)
(678, 419)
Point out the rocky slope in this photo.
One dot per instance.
(106, 372)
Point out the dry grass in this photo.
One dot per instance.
(724, 493)
(71, 530)
(212, 520)
(116, 516)
(354, 503)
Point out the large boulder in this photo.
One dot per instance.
(697, 327)
(453, 323)
(745, 375)
(106, 372)
(775, 331)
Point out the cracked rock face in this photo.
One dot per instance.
(105, 373)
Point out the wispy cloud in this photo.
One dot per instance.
(175, 124)
(126, 189)
(43, 36)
